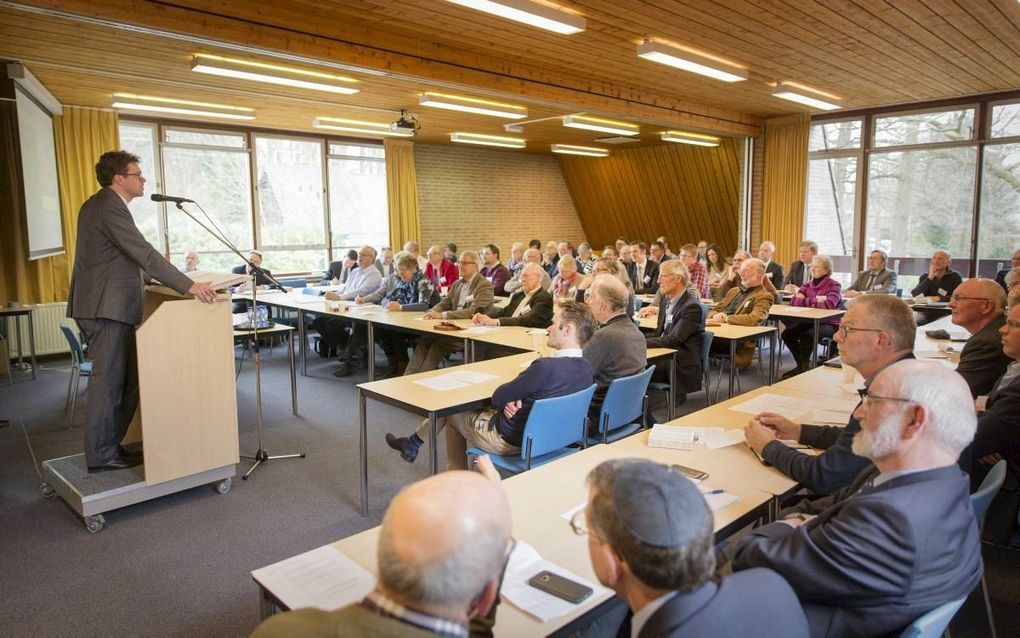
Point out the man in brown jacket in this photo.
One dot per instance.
(745, 305)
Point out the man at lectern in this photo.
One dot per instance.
(106, 302)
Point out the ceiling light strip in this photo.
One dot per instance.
(570, 149)
(601, 125)
(359, 127)
(488, 140)
(530, 13)
(691, 61)
(473, 105)
(272, 74)
(802, 97)
(695, 139)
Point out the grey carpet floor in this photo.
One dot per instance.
(180, 565)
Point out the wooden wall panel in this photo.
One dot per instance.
(686, 193)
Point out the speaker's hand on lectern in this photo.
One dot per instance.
(203, 291)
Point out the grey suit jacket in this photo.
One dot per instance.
(479, 299)
(756, 602)
(875, 558)
(982, 360)
(883, 282)
(110, 255)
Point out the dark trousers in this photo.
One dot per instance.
(113, 387)
(799, 338)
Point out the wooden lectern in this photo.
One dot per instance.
(187, 412)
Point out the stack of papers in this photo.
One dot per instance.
(790, 407)
(322, 578)
(679, 437)
(524, 563)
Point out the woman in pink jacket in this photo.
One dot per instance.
(820, 291)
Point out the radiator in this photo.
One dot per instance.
(47, 319)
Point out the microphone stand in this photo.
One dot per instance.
(261, 455)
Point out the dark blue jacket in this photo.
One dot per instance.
(544, 378)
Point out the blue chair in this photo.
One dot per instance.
(934, 623)
(294, 283)
(980, 500)
(80, 367)
(623, 409)
(553, 425)
(706, 381)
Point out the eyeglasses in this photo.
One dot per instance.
(578, 523)
(845, 330)
(467, 263)
(959, 297)
(1013, 324)
(138, 175)
(867, 396)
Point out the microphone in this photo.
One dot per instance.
(156, 197)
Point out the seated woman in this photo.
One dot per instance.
(612, 267)
(717, 269)
(820, 291)
(441, 272)
(564, 284)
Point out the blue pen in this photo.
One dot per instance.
(714, 492)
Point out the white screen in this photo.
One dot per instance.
(39, 173)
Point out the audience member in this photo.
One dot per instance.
(715, 266)
(585, 258)
(819, 291)
(564, 284)
(773, 269)
(607, 266)
(646, 272)
(564, 248)
(440, 272)
(1012, 280)
(877, 331)
(681, 326)
(650, 539)
(610, 251)
(744, 305)
(450, 253)
(536, 244)
(876, 279)
(937, 285)
(191, 262)
(698, 273)
(978, 305)
(261, 279)
(799, 269)
(1000, 276)
(665, 247)
(618, 348)
(333, 276)
(731, 277)
(901, 539)
(385, 262)
(469, 295)
(551, 258)
(414, 250)
(657, 252)
(531, 306)
(494, 270)
(333, 331)
(500, 428)
(442, 549)
(531, 256)
(703, 251)
(620, 243)
(516, 261)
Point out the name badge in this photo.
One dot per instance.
(469, 298)
(769, 275)
(647, 279)
(524, 309)
(442, 280)
(489, 279)
(876, 287)
(942, 292)
(669, 319)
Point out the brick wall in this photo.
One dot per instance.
(473, 196)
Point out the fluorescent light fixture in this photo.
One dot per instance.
(359, 127)
(692, 61)
(529, 12)
(132, 102)
(683, 137)
(803, 95)
(590, 151)
(272, 73)
(600, 125)
(488, 140)
(473, 105)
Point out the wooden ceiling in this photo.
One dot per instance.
(869, 52)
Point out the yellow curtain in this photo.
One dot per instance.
(784, 187)
(402, 192)
(81, 135)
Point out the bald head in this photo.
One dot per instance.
(443, 540)
(975, 302)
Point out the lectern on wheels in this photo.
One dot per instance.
(186, 422)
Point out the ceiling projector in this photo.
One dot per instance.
(406, 124)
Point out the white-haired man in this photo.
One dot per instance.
(978, 305)
(901, 539)
(875, 279)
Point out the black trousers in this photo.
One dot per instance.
(113, 387)
(799, 338)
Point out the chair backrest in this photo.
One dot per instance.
(625, 400)
(704, 313)
(982, 497)
(706, 347)
(555, 423)
(294, 283)
(934, 623)
(77, 354)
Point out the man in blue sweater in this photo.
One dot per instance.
(499, 429)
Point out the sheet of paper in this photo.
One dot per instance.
(307, 299)
(829, 416)
(795, 309)
(724, 438)
(673, 437)
(442, 383)
(469, 376)
(719, 501)
(322, 578)
(524, 563)
(479, 330)
(790, 407)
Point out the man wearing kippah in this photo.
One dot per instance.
(650, 540)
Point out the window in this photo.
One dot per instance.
(998, 235)
(292, 221)
(140, 139)
(835, 136)
(924, 128)
(1005, 120)
(358, 211)
(213, 170)
(834, 157)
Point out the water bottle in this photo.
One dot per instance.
(263, 316)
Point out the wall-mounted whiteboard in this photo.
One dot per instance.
(39, 170)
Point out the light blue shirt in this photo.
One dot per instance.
(360, 282)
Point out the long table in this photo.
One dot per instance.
(799, 313)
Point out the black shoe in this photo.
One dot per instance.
(791, 373)
(408, 451)
(119, 463)
(130, 454)
(349, 367)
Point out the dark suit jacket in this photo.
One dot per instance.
(998, 428)
(260, 279)
(110, 255)
(875, 558)
(353, 620)
(684, 334)
(538, 316)
(756, 602)
(1000, 278)
(797, 276)
(982, 360)
(631, 269)
(335, 271)
(775, 269)
(650, 282)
